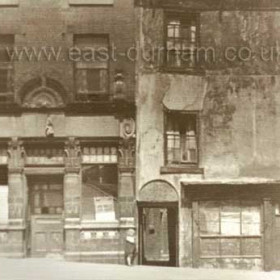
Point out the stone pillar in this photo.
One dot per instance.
(17, 196)
(126, 189)
(72, 197)
(126, 192)
(268, 237)
(17, 192)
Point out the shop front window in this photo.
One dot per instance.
(99, 192)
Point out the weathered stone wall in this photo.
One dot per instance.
(239, 119)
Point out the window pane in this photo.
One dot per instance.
(230, 219)
(209, 217)
(181, 35)
(251, 220)
(93, 79)
(6, 45)
(251, 246)
(210, 247)
(3, 80)
(230, 247)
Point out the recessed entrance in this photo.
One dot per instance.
(158, 234)
(45, 207)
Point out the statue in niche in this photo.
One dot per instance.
(49, 130)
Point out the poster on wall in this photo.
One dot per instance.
(3, 204)
(104, 208)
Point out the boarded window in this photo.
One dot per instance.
(230, 228)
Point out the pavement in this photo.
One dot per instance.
(52, 269)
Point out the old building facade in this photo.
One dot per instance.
(207, 176)
(67, 121)
(198, 81)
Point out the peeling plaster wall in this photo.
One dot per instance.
(240, 117)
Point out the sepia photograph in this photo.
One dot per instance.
(139, 139)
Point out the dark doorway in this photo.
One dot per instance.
(158, 234)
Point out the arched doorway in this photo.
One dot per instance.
(158, 224)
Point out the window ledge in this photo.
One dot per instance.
(99, 224)
(91, 2)
(181, 170)
(189, 71)
(9, 3)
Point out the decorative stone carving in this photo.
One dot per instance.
(127, 128)
(43, 97)
(49, 130)
(119, 86)
(73, 155)
(127, 153)
(42, 92)
(16, 155)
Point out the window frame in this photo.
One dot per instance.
(7, 66)
(115, 197)
(240, 237)
(181, 15)
(81, 65)
(91, 2)
(182, 163)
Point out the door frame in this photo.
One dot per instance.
(168, 205)
(30, 174)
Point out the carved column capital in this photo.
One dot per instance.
(16, 155)
(73, 155)
(127, 154)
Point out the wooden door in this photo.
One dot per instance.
(46, 208)
(46, 235)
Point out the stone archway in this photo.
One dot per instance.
(43, 92)
(158, 191)
(158, 224)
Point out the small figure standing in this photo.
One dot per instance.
(49, 130)
(130, 247)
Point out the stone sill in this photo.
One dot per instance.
(9, 3)
(90, 2)
(181, 170)
(8, 227)
(177, 70)
(99, 225)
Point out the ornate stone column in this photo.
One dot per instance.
(72, 198)
(17, 199)
(72, 182)
(126, 192)
(17, 189)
